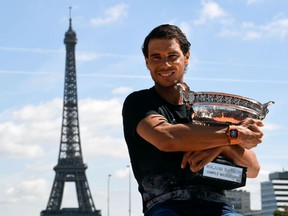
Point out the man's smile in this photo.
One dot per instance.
(165, 73)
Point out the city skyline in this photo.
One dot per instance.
(238, 47)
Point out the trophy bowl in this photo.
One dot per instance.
(214, 109)
(222, 108)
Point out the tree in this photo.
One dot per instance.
(281, 213)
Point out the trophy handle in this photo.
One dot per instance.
(265, 109)
(186, 94)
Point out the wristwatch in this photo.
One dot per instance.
(233, 135)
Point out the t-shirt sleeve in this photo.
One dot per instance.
(136, 107)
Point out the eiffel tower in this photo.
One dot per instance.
(70, 167)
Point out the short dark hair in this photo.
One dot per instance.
(167, 31)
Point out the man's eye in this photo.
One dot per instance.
(173, 57)
(156, 57)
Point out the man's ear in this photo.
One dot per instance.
(146, 62)
(187, 57)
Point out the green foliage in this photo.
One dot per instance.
(281, 213)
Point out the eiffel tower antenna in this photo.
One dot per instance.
(70, 167)
(70, 8)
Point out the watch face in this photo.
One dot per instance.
(233, 134)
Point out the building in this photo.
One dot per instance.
(241, 202)
(274, 193)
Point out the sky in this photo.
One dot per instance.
(238, 47)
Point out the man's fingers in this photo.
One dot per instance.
(185, 159)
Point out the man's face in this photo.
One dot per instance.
(166, 62)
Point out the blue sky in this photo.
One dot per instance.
(238, 46)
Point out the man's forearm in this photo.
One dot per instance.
(243, 157)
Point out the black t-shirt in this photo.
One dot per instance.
(159, 174)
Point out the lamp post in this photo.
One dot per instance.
(129, 209)
(108, 194)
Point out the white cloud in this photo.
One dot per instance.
(251, 35)
(48, 110)
(30, 130)
(186, 28)
(26, 151)
(124, 173)
(105, 146)
(251, 2)
(274, 127)
(277, 28)
(24, 131)
(122, 90)
(211, 11)
(24, 191)
(101, 128)
(100, 114)
(86, 56)
(112, 14)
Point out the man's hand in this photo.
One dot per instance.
(198, 159)
(250, 134)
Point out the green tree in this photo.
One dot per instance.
(281, 213)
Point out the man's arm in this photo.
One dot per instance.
(235, 154)
(192, 137)
(243, 157)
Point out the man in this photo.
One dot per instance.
(166, 149)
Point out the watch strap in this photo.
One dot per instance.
(232, 134)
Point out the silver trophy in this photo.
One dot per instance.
(216, 109)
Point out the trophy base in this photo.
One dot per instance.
(223, 174)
